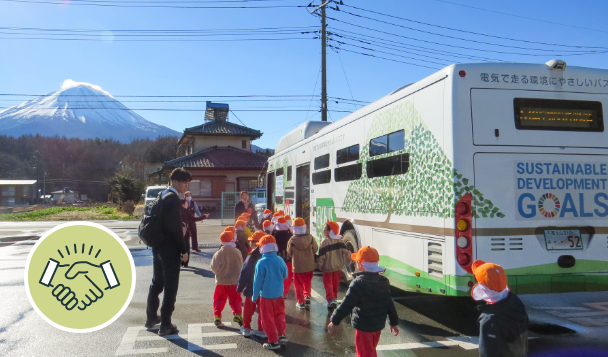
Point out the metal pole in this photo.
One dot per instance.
(222, 208)
(323, 64)
(44, 187)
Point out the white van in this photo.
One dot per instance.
(151, 193)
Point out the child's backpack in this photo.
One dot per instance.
(150, 228)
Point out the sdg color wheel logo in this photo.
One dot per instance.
(549, 205)
(80, 277)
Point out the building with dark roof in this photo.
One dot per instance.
(219, 157)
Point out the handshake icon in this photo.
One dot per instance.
(78, 284)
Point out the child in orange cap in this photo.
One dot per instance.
(368, 301)
(225, 264)
(230, 229)
(282, 234)
(267, 215)
(333, 257)
(267, 226)
(246, 287)
(289, 220)
(503, 323)
(276, 216)
(302, 248)
(242, 238)
(270, 272)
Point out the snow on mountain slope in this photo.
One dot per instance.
(80, 110)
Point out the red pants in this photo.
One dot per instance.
(248, 313)
(287, 281)
(302, 282)
(331, 282)
(223, 293)
(273, 318)
(366, 343)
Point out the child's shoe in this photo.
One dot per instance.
(272, 346)
(301, 306)
(282, 339)
(260, 334)
(246, 332)
(331, 305)
(238, 319)
(307, 299)
(218, 321)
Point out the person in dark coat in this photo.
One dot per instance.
(191, 214)
(503, 323)
(368, 301)
(245, 206)
(246, 288)
(166, 256)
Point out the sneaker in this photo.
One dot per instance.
(282, 339)
(171, 330)
(218, 321)
(238, 319)
(260, 334)
(331, 305)
(272, 346)
(307, 300)
(301, 306)
(152, 323)
(246, 332)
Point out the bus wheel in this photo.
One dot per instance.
(350, 240)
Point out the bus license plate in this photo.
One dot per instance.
(563, 239)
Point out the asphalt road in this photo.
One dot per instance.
(430, 326)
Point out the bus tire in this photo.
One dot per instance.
(350, 240)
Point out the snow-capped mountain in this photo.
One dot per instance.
(79, 110)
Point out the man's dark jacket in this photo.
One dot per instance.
(240, 208)
(369, 299)
(172, 221)
(503, 328)
(248, 273)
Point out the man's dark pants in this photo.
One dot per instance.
(166, 262)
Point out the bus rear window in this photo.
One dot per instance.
(557, 114)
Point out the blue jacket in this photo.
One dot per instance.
(270, 271)
(247, 273)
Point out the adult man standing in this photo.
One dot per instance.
(245, 206)
(190, 212)
(166, 256)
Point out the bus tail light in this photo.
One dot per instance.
(464, 232)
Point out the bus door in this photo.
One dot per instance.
(270, 191)
(303, 194)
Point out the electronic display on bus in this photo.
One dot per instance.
(557, 114)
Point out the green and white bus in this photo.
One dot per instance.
(503, 162)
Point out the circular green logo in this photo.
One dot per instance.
(80, 277)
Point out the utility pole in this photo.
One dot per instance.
(323, 59)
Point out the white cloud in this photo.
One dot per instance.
(68, 83)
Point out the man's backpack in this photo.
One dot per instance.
(150, 228)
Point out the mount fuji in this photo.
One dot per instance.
(79, 110)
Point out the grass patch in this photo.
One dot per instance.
(69, 213)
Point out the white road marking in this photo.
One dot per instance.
(465, 342)
(318, 298)
(194, 337)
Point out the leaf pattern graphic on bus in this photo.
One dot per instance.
(431, 186)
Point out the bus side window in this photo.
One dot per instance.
(387, 143)
(348, 154)
(388, 166)
(321, 177)
(321, 162)
(348, 173)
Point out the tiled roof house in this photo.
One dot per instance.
(219, 157)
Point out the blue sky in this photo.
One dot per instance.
(285, 67)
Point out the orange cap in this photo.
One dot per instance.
(299, 222)
(266, 239)
(266, 223)
(281, 220)
(366, 254)
(278, 214)
(257, 236)
(334, 227)
(229, 229)
(240, 223)
(489, 274)
(267, 211)
(288, 217)
(226, 236)
(245, 214)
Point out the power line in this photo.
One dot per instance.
(153, 6)
(471, 40)
(388, 59)
(178, 109)
(450, 45)
(521, 16)
(155, 40)
(345, 76)
(464, 31)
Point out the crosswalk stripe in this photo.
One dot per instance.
(224, 346)
(318, 298)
